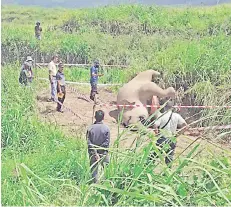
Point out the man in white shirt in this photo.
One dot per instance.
(167, 124)
(52, 77)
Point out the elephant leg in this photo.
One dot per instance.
(151, 89)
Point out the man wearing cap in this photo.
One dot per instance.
(26, 74)
(167, 124)
(94, 79)
(38, 30)
(61, 90)
(98, 140)
(52, 77)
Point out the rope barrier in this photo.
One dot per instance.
(212, 128)
(82, 65)
(140, 105)
(82, 83)
(190, 129)
(137, 105)
(68, 109)
(158, 106)
(80, 95)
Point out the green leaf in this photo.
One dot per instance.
(182, 190)
(132, 194)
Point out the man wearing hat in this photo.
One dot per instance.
(29, 60)
(98, 140)
(38, 30)
(61, 90)
(94, 79)
(26, 74)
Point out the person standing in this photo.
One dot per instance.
(61, 90)
(38, 30)
(168, 123)
(52, 77)
(94, 79)
(25, 74)
(98, 137)
(29, 60)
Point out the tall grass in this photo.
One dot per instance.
(82, 35)
(43, 166)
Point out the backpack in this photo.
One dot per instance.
(23, 77)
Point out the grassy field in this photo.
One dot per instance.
(191, 46)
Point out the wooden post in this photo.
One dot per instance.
(93, 110)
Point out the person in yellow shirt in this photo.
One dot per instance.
(52, 77)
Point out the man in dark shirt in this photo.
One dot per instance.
(94, 79)
(98, 137)
(38, 30)
(61, 90)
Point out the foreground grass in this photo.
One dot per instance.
(41, 166)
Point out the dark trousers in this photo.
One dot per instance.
(61, 100)
(166, 145)
(93, 91)
(94, 165)
(23, 78)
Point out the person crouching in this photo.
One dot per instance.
(61, 89)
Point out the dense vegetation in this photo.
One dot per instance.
(42, 166)
(190, 45)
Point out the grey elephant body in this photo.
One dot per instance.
(140, 90)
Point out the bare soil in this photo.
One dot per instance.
(76, 126)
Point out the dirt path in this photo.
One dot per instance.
(76, 127)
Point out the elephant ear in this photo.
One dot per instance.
(156, 76)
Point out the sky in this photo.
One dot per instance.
(97, 3)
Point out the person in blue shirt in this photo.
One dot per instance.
(94, 79)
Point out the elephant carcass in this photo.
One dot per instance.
(140, 90)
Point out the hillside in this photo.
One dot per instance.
(44, 154)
